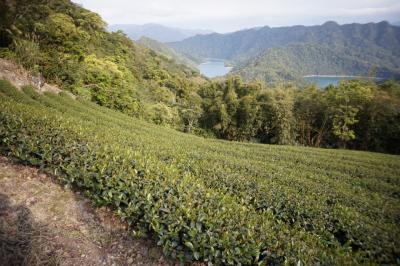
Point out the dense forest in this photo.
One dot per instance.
(355, 114)
(288, 53)
(70, 47)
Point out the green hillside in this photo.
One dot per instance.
(167, 51)
(70, 46)
(211, 200)
(293, 62)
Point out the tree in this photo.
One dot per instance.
(277, 118)
(190, 111)
(247, 118)
(346, 100)
(343, 118)
(231, 108)
(311, 116)
(379, 125)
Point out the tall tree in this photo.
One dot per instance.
(312, 120)
(346, 101)
(277, 117)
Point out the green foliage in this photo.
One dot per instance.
(278, 122)
(312, 118)
(342, 120)
(231, 108)
(379, 127)
(293, 62)
(28, 53)
(346, 101)
(70, 46)
(209, 200)
(347, 115)
(168, 52)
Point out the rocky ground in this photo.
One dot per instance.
(43, 223)
(20, 77)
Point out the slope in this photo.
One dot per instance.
(168, 52)
(43, 223)
(223, 202)
(69, 46)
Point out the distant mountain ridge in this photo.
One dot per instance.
(253, 41)
(168, 52)
(293, 62)
(363, 46)
(157, 32)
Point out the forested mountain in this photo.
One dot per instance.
(293, 62)
(168, 52)
(157, 32)
(70, 46)
(354, 49)
(248, 43)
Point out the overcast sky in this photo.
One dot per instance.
(230, 15)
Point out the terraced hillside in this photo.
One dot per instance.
(211, 200)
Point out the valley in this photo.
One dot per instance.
(288, 53)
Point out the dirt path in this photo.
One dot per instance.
(42, 223)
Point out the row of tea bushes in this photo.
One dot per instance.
(225, 203)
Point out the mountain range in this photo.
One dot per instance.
(157, 32)
(287, 53)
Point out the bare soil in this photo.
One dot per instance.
(19, 77)
(43, 223)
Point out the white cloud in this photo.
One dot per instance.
(228, 15)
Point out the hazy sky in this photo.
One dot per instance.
(230, 15)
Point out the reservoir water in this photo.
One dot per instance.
(323, 81)
(214, 68)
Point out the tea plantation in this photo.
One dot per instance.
(211, 200)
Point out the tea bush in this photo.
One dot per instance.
(211, 200)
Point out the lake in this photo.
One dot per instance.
(214, 68)
(323, 81)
